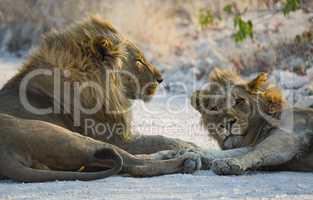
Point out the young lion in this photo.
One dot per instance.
(77, 55)
(82, 80)
(253, 125)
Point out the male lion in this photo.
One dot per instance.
(253, 125)
(81, 80)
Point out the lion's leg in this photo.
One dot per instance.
(14, 169)
(221, 154)
(208, 156)
(166, 148)
(148, 144)
(277, 149)
(153, 165)
(132, 165)
(161, 155)
(162, 148)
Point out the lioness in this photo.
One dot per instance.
(253, 125)
(82, 80)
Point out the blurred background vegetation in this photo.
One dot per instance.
(23, 21)
(250, 35)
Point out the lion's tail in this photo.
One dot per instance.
(15, 170)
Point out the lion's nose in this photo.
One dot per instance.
(160, 80)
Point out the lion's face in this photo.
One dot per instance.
(139, 77)
(229, 106)
(224, 113)
(98, 46)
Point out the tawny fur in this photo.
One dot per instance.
(88, 51)
(253, 125)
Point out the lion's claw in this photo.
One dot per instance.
(227, 167)
(190, 157)
(205, 161)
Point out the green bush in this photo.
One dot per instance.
(244, 29)
(229, 9)
(290, 6)
(205, 18)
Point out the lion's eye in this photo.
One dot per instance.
(138, 62)
(140, 65)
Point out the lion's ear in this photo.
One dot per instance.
(105, 49)
(257, 83)
(225, 76)
(216, 74)
(275, 99)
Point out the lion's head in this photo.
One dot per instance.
(92, 47)
(140, 78)
(231, 107)
(92, 53)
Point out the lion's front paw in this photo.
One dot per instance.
(227, 167)
(172, 154)
(206, 161)
(191, 158)
(192, 162)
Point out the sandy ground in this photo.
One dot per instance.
(180, 121)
